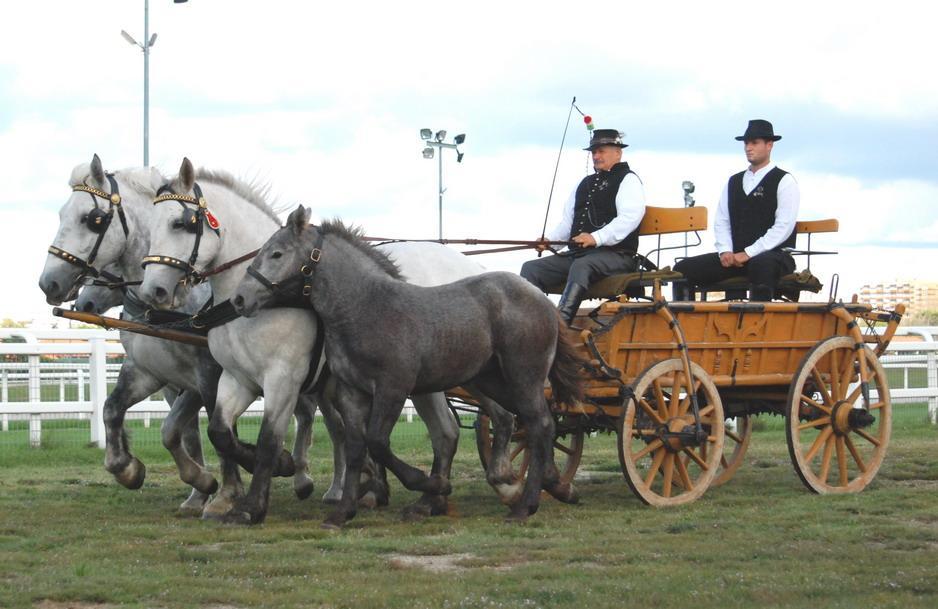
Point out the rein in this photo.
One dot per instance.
(97, 221)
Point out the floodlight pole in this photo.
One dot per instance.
(146, 83)
(440, 190)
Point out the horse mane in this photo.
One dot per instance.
(254, 192)
(354, 235)
(137, 178)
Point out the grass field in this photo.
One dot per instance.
(71, 537)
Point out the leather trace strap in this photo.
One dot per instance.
(97, 221)
(192, 221)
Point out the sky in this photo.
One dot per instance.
(324, 103)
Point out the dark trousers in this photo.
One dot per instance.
(762, 271)
(582, 267)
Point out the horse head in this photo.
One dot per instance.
(98, 299)
(183, 234)
(93, 227)
(279, 268)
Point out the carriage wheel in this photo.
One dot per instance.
(568, 450)
(835, 444)
(734, 449)
(663, 463)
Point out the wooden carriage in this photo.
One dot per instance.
(679, 382)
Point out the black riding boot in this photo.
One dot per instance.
(569, 303)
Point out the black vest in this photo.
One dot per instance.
(752, 215)
(595, 205)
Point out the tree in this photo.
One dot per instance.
(927, 317)
(9, 323)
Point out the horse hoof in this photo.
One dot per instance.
(329, 526)
(133, 475)
(332, 498)
(205, 483)
(443, 486)
(565, 493)
(303, 489)
(509, 494)
(237, 517)
(189, 511)
(516, 518)
(285, 465)
(335, 520)
(368, 501)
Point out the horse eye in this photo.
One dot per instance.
(84, 218)
(276, 255)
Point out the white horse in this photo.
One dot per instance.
(268, 354)
(99, 232)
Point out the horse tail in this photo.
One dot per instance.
(564, 375)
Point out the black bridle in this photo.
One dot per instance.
(192, 221)
(306, 272)
(97, 221)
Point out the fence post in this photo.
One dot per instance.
(81, 385)
(35, 395)
(98, 374)
(6, 399)
(932, 367)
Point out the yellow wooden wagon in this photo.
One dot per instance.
(679, 383)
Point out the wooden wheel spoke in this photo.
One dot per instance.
(723, 462)
(518, 449)
(835, 377)
(655, 466)
(819, 406)
(818, 442)
(703, 464)
(523, 470)
(877, 405)
(847, 373)
(674, 406)
(668, 475)
(659, 398)
(867, 437)
(855, 454)
(815, 423)
(854, 394)
(706, 410)
(841, 462)
(683, 476)
(644, 405)
(655, 445)
(821, 387)
(826, 458)
(733, 436)
(563, 448)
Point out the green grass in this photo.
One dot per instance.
(70, 536)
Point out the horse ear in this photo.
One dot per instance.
(187, 174)
(299, 219)
(97, 170)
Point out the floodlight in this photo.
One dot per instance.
(426, 134)
(459, 139)
(441, 135)
(688, 186)
(428, 152)
(459, 156)
(129, 38)
(152, 40)
(180, 1)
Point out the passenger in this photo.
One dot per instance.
(601, 217)
(755, 220)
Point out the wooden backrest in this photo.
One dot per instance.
(831, 225)
(664, 220)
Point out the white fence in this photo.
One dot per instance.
(37, 387)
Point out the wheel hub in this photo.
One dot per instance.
(845, 418)
(679, 433)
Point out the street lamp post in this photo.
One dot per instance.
(148, 42)
(438, 141)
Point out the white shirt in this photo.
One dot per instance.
(630, 209)
(786, 213)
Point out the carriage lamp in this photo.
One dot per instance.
(688, 188)
(437, 140)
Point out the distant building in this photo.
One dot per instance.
(917, 295)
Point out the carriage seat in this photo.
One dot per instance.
(656, 221)
(790, 286)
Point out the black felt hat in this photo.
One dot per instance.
(606, 137)
(759, 129)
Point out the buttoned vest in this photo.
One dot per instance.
(752, 215)
(595, 205)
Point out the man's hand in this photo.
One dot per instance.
(740, 258)
(541, 245)
(585, 240)
(727, 259)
